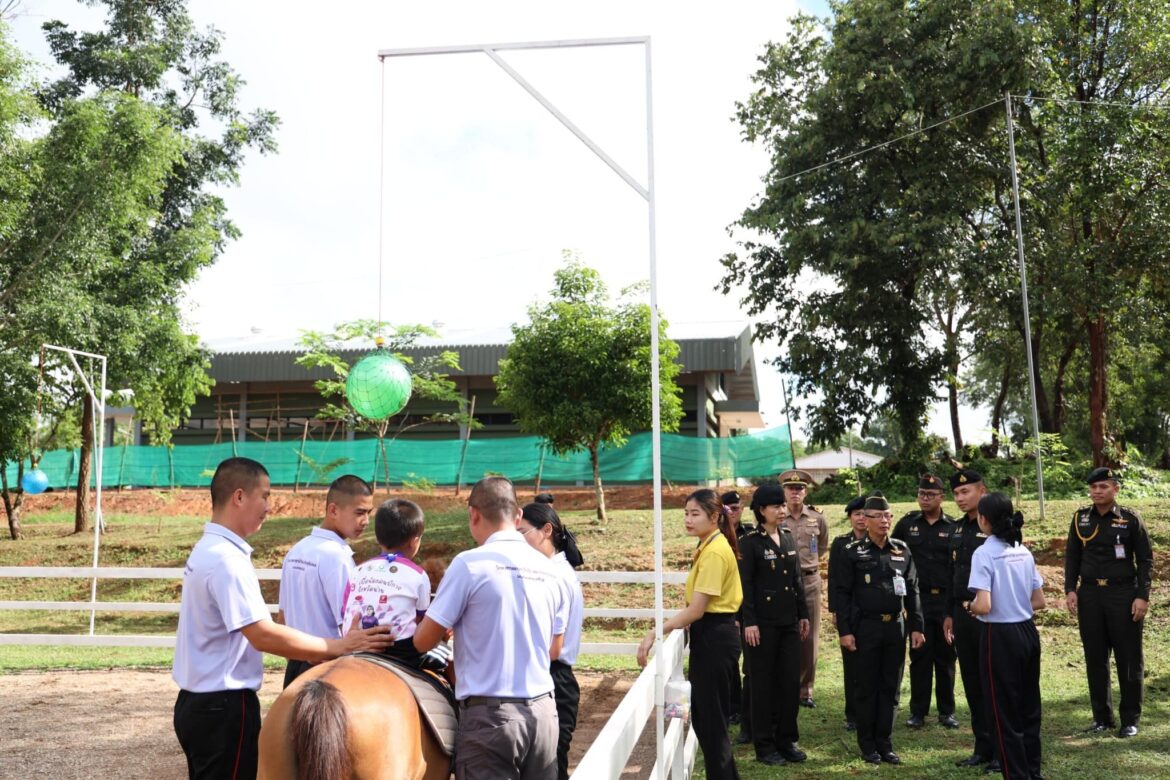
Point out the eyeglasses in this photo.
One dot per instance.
(526, 530)
(930, 494)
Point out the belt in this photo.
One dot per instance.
(496, 701)
(810, 572)
(717, 617)
(885, 617)
(1108, 582)
(937, 591)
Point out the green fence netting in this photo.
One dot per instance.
(685, 459)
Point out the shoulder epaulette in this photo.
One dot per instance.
(785, 530)
(1131, 512)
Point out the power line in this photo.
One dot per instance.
(1071, 101)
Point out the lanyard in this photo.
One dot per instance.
(1090, 537)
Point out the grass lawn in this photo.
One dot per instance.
(626, 543)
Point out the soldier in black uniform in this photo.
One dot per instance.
(928, 532)
(1109, 551)
(961, 629)
(855, 514)
(775, 620)
(876, 582)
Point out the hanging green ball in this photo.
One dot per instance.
(378, 386)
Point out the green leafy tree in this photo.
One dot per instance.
(579, 373)
(430, 378)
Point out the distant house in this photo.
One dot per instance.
(824, 464)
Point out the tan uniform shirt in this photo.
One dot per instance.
(811, 532)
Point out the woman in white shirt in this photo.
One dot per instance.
(1008, 590)
(542, 529)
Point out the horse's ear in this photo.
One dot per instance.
(435, 569)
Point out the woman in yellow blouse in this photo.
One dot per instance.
(713, 595)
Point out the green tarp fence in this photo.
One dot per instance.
(685, 459)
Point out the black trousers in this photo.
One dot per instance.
(775, 695)
(714, 661)
(967, 632)
(218, 732)
(294, 670)
(1009, 656)
(849, 667)
(934, 662)
(881, 654)
(741, 692)
(568, 697)
(1106, 624)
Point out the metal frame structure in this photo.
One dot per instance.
(99, 440)
(646, 191)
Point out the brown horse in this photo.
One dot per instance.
(344, 719)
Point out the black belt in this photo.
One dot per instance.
(937, 591)
(810, 572)
(496, 701)
(1108, 582)
(885, 617)
(717, 617)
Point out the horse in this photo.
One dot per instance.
(348, 718)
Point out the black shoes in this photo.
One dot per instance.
(1097, 727)
(890, 757)
(772, 759)
(1127, 731)
(872, 758)
(850, 725)
(973, 760)
(915, 722)
(744, 738)
(948, 721)
(808, 702)
(993, 768)
(792, 754)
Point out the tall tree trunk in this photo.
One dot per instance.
(1098, 397)
(997, 409)
(953, 402)
(593, 450)
(81, 512)
(12, 504)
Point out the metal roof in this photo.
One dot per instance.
(480, 352)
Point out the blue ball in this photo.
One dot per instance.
(35, 481)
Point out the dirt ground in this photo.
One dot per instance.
(310, 503)
(87, 725)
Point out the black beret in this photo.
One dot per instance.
(965, 477)
(877, 501)
(1102, 474)
(730, 497)
(854, 505)
(767, 495)
(930, 482)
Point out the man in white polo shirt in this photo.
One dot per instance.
(508, 608)
(224, 627)
(317, 568)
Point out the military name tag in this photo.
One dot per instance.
(899, 559)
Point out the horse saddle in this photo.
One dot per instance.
(436, 700)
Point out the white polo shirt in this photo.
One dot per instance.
(313, 579)
(388, 590)
(505, 602)
(221, 595)
(576, 609)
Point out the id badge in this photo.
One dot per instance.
(1119, 552)
(899, 585)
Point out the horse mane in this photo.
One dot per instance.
(318, 733)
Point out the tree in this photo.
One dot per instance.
(429, 378)
(579, 373)
(120, 209)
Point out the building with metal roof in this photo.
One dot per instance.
(261, 393)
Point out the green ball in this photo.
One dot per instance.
(378, 386)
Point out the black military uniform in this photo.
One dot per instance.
(930, 545)
(875, 584)
(966, 538)
(848, 658)
(1111, 556)
(773, 601)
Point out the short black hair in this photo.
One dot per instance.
(347, 486)
(397, 521)
(495, 498)
(234, 474)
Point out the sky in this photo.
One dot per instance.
(465, 190)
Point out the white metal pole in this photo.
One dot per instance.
(656, 430)
(1024, 296)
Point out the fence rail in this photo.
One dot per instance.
(138, 573)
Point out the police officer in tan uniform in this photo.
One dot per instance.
(810, 529)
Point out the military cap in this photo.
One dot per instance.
(767, 495)
(730, 497)
(877, 501)
(857, 503)
(965, 477)
(796, 477)
(930, 482)
(1102, 474)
